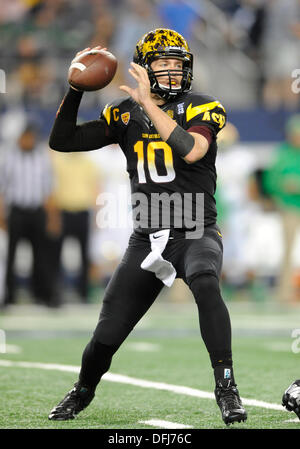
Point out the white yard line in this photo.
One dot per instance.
(165, 424)
(120, 378)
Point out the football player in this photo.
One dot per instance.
(168, 135)
(291, 398)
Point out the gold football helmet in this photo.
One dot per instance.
(164, 43)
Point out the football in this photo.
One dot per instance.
(92, 70)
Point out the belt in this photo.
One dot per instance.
(174, 233)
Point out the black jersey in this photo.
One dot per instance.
(156, 171)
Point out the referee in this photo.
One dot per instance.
(27, 212)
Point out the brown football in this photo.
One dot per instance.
(92, 70)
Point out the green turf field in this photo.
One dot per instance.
(164, 348)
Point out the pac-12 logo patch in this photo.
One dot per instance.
(125, 117)
(180, 108)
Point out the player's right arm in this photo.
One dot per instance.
(67, 136)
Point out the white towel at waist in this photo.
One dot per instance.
(154, 262)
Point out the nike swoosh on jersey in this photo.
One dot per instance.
(192, 112)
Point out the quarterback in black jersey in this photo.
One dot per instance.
(168, 135)
(152, 165)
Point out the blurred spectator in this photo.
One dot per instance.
(245, 32)
(76, 202)
(109, 242)
(280, 52)
(103, 29)
(12, 11)
(178, 15)
(33, 85)
(262, 257)
(248, 26)
(282, 182)
(34, 77)
(235, 165)
(26, 211)
(137, 18)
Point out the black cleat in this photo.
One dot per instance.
(75, 400)
(229, 401)
(291, 398)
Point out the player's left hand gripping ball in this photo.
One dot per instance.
(92, 69)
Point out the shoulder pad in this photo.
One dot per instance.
(112, 110)
(200, 109)
(199, 104)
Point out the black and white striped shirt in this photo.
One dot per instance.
(26, 177)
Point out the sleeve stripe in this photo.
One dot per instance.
(203, 130)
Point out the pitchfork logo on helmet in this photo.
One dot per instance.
(164, 43)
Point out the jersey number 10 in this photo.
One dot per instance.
(150, 156)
